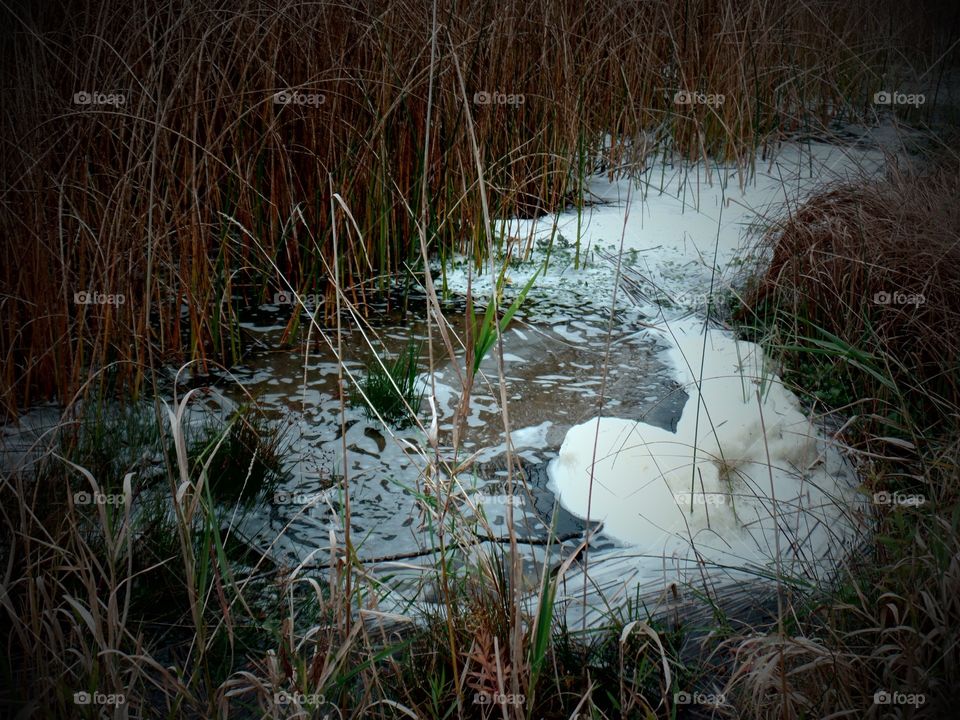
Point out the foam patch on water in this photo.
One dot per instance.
(534, 437)
(738, 479)
(684, 227)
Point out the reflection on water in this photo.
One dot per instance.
(554, 359)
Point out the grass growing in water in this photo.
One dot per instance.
(243, 458)
(389, 389)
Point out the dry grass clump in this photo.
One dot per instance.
(790, 677)
(864, 284)
(884, 640)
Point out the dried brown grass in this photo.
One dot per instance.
(133, 198)
(890, 623)
(874, 268)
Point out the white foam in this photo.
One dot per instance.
(534, 437)
(734, 481)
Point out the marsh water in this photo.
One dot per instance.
(562, 364)
(578, 349)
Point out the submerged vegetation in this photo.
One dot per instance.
(199, 161)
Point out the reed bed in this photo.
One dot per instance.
(133, 133)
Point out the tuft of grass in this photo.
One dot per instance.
(390, 389)
(861, 302)
(243, 458)
(111, 440)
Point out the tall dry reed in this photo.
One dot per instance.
(131, 198)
